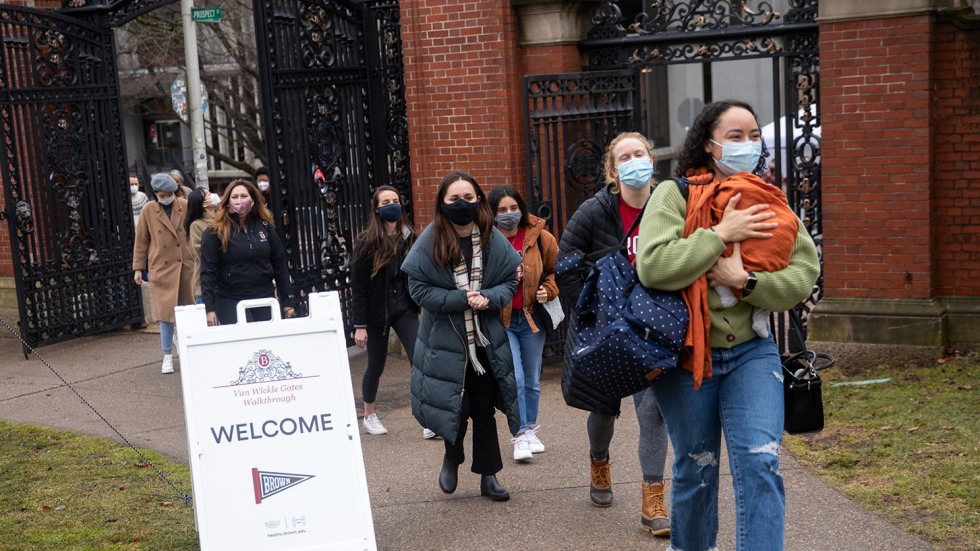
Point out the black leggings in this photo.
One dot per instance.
(406, 326)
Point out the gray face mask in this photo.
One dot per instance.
(508, 220)
(167, 200)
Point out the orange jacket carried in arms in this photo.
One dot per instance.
(707, 200)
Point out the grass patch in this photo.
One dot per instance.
(908, 449)
(66, 491)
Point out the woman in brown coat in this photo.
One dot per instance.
(521, 316)
(162, 240)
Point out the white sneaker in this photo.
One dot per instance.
(533, 442)
(168, 364)
(522, 451)
(373, 425)
(428, 434)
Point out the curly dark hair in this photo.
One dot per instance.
(693, 154)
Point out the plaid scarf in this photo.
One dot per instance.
(465, 282)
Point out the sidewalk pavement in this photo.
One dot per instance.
(118, 373)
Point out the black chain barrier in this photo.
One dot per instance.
(185, 498)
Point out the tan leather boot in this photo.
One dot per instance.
(654, 516)
(601, 490)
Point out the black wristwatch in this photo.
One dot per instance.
(749, 286)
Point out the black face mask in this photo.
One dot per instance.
(462, 212)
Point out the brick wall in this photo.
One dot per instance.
(463, 70)
(6, 252)
(548, 60)
(956, 178)
(877, 154)
(463, 108)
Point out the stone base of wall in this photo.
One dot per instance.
(962, 321)
(936, 324)
(8, 294)
(8, 299)
(395, 347)
(854, 358)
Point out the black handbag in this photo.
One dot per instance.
(803, 407)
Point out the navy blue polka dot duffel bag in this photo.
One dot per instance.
(626, 334)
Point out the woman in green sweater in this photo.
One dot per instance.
(732, 380)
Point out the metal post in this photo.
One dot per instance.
(198, 145)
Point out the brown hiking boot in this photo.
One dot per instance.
(654, 515)
(601, 490)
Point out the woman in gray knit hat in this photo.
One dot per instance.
(161, 240)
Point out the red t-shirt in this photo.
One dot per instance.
(517, 241)
(628, 214)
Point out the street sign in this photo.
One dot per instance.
(206, 15)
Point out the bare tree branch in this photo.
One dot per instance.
(151, 49)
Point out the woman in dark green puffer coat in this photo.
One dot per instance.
(462, 272)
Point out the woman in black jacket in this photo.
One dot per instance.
(241, 256)
(600, 224)
(380, 300)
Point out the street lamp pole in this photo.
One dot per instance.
(194, 109)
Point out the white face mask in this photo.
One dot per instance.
(263, 186)
(133, 190)
(215, 199)
(167, 200)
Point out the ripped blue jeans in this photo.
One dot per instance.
(743, 398)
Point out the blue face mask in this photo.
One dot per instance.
(391, 212)
(738, 157)
(636, 172)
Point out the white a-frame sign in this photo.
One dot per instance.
(274, 444)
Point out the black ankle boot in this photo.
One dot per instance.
(448, 476)
(491, 488)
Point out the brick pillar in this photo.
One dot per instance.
(899, 214)
(549, 33)
(956, 176)
(463, 95)
(463, 68)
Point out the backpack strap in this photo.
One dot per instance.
(544, 273)
(683, 185)
(636, 222)
(594, 256)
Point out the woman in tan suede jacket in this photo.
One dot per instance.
(522, 317)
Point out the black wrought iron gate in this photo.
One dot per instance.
(335, 120)
(569, 120)
(335, 124)
(64, 177)
(571, 117)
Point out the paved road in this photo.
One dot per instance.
(118, 374)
